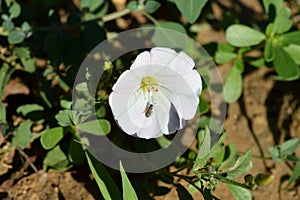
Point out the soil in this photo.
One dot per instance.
(267, 114)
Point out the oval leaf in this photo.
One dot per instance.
(243, 36)
(290, 38)
(97, 127)
(23, 136)
(190, 9)
(269, 51)
(51, 137)
(285, 66)
(233, 85)
(16, 37)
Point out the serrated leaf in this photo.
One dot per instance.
(282, 23)
(128, 190)
(16, 37)
(170, 34)
(14, 10)
(99, 127)
(56, 159)
(51, 137)
(222, 57)
(28, 108)
(239, 193)
(233, 85)
(290, 38)
(285, 66)
(190, 9)
(243, 36)
(269, 51)
(151, 6)
(105, 182)
(23, 136)
(242, 165)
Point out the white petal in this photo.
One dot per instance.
(160, 116)
(136, 110)
(194, 80)
(141, 60)
(179, 62)
(181, 95)
(118, 104)
(127, 83)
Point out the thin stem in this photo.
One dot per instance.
(28, 160)
(152, 19)
(104, 19)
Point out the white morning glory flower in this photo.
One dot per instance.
(159, 92)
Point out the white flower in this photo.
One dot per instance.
(159, 92)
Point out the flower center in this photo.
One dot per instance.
(149, 87)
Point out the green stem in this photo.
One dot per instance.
(152, 19)
(104, 19)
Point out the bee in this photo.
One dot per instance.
(148, 110)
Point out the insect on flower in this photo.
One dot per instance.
(148, 110)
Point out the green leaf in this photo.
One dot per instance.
(203, 106)
(56, 159)
(133, 6)
(243, 36)
(91, 4)
(64, 117)
(256, 62)
(269, 51)
(284, 149)
(106, 184)
(23, 136)
(152, 6)
(239, 193)
(51, 137)
(128, 190)
(97, 127)
(205, 144)
(14, 10)
(190, 9)
(294, 52)
(222, 57)
(233, 85)
(285, 66)
(290, 38)
(173, 38)
(25, 27)
(76, 153)
(183, 193)
(282, 23)
(8, 25)
(28, 64)
(22, 52)
(295, 175)
(16, 37)
(272, 6)
(5, 73)
(2, 114)
(28, 108)
(242, 165)
(225, 47)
